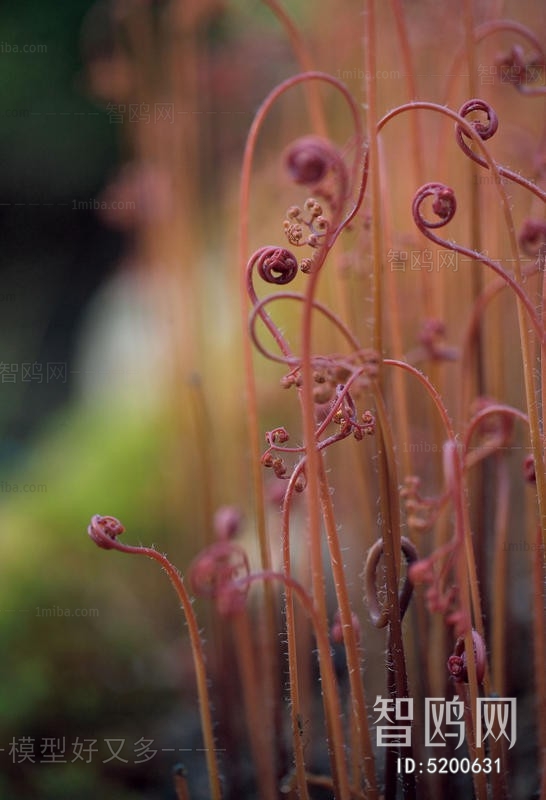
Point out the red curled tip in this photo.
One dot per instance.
(444, 205)
(457, 664)
(105, 530)
(309, 158)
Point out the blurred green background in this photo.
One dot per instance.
(94, 649)
(79, 645)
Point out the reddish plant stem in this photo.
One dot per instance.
(258, 736)
(498, 650)
(490, 291)
(497, 170)
(314, 459)
(250, 382)
(432, 391)
(181, 784)
(397, 673)
(425, 227)
(373, 150)
(295, 701)
(499, 782)
(390, 521)
(473, 380)
(492, 409)
(523, 303)
(198, 656)
(251, 407)
(430, 299)
(330, 690)
(287, 358)
(318, 495)
(394, 334)
(381, 617)
(454, 71)
(467, 584)
(358, 712)
(313, 470)
(303, 56)
(539, 641)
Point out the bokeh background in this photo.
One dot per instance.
(122, 127)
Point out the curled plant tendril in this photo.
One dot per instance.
(215, 573)
(421, 512)
(316, 162)
(378, 615)
(332, 371)
(346, 416)
(532, 240)
(440, 598)
(325, 414)
(432, 341)
(495, 428)
(276, 440)
(310, 158)
(521, 73)
(513, 65)
(342, 411)
(485, 129)
(105, 530)
(444, 205)
(259, 312)
(293, 378)
(277, 436)
(277, 265)
(457, 662)
(493, 423)
(434, 570)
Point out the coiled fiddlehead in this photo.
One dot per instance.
(485, 129)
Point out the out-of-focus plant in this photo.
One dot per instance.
(349, 403)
